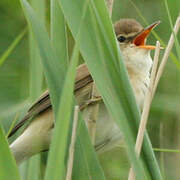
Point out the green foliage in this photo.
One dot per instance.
(59, 33)
(58, 149)
(7, 163)
(86, 164)
(51, 63)
(12, 46)
(61, 132)
(99, 50)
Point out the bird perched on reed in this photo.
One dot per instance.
(136, 55)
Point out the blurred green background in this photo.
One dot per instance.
(164, 122)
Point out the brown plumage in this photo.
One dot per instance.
(127, 26)
(83, 78)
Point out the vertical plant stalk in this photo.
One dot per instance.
(93, 113)
(109, 4)
(166, 53)
(152, 90)
(147, 104)
(72, 145)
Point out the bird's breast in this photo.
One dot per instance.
(108, 134)
(138, 63)
(140, 85)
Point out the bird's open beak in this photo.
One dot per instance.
(140, 39)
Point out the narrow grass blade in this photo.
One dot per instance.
(12, 46)
(23, 170)
(166, 150)
(59, 34)
(36, 69)
(7, 162)
(52, 64)
(58, 148)
(36, 83)
(33, 169)
(86, 165)
(171, 24)
(12, 124)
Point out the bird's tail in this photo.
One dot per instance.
(35, 138)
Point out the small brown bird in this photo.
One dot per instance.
(136, 54)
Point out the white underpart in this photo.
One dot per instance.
(138, 63)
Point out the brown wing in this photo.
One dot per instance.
(83, 78)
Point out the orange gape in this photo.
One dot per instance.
(140, 40)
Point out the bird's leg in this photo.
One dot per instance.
(91, 109)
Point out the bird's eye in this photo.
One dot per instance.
(121, 38)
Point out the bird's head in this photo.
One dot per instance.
(132, 40)
(130, 32)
